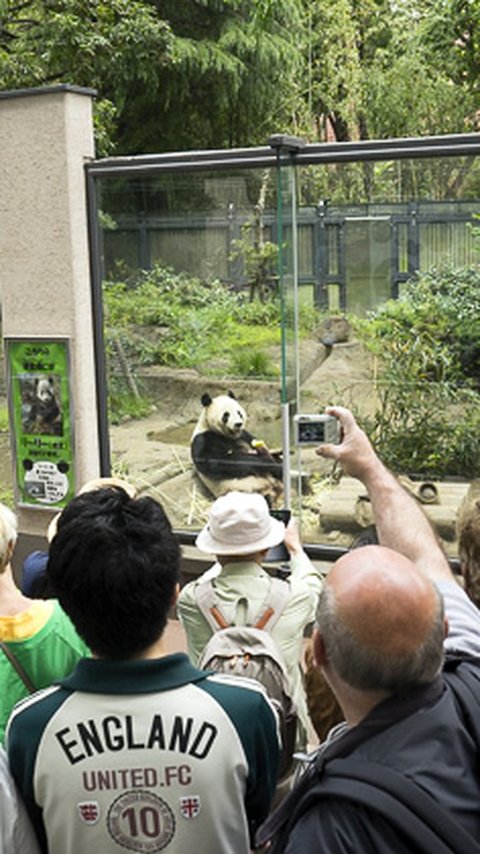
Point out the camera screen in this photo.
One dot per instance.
(281, 515)
(311, 431)
(280, 552)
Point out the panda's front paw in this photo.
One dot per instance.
(260, 448)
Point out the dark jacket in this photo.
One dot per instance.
(424, 737)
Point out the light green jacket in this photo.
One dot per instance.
(242, 587)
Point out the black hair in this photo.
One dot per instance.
(40, 587)
(114, 564)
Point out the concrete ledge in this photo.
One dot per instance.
(48, 90)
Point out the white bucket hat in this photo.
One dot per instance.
(240, 524)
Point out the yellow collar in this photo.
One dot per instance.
(27, 623)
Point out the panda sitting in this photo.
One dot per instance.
(44, 415)
(227, 457)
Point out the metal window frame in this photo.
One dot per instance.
(282, 151)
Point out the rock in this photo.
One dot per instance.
(334, 330)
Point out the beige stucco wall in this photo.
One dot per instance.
(46, 137)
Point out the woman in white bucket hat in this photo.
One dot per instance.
(239, 524)
(239, 532)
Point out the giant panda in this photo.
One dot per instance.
(44, 415)
(227, 457)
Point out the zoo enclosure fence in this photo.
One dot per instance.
(378, 213)
(341, 247)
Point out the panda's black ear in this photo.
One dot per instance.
(206, 399)
(231, 394)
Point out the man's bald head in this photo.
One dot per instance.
(381, 621)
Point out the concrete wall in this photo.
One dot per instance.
(46, 136)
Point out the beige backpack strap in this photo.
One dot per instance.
(267, 616)
(208, 603)
(272, 608)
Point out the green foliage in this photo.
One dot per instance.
(169, 75)
(123, 405)
(428, 344)
(105, 116)
(234, 71)
(173, 319)
(257, 314)
(377, 69)
(215, 73)
(435, 325)
(6, 484)
(117, 47)
(4, 420)
(253, 363)
(7, 496)
(450, 34)
(413, 88)
(260, 261)
(406, 99)
(342, 35)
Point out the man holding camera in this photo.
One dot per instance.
(239, 533)
(386, 617)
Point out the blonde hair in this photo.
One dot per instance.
(8, 535)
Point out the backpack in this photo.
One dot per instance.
(394, 796)
(250, 651)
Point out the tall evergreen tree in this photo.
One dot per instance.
(232, 79)
(187, 74)
(114, 47)
(170, 75)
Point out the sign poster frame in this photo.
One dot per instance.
(41, 420)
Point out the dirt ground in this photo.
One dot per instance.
(154, 453)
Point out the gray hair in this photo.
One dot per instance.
(8, 534)
(370, 668)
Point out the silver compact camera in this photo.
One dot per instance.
(316, 430)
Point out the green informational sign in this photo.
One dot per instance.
(41, 421)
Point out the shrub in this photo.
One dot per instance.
(178, 320)
(428, 343)
(253, 363)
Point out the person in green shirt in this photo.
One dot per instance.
(36, 636)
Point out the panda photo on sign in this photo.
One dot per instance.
(226, 457)
(44, 415)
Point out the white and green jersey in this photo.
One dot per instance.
(145, 756)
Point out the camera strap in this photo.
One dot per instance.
(18, 667)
